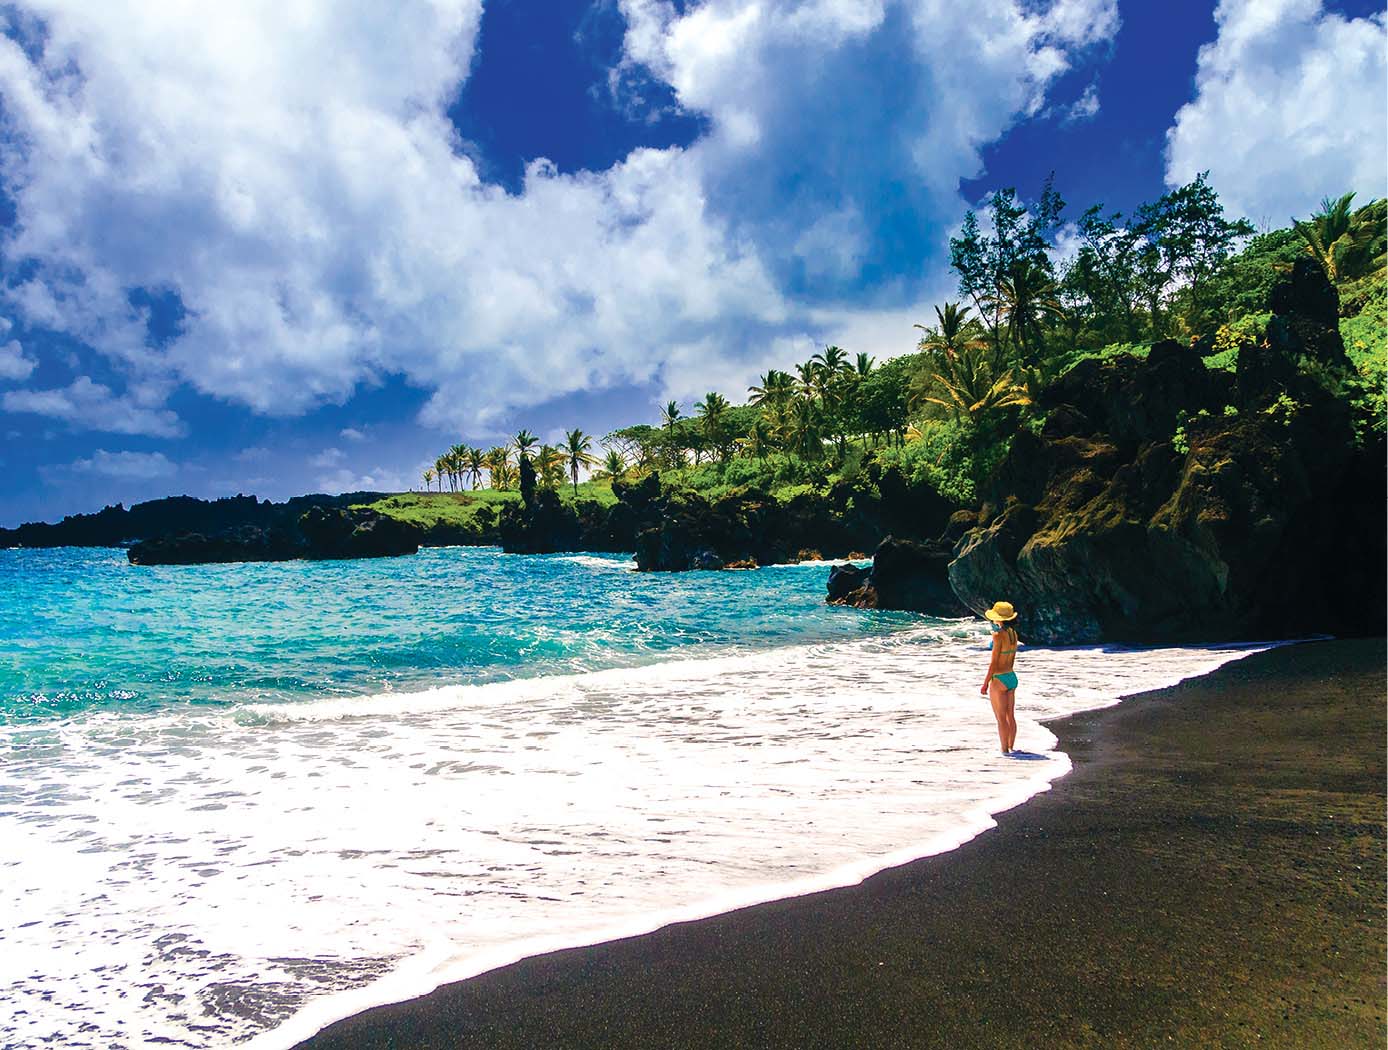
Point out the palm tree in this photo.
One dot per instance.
(713, 409)
(1024, 295)
(577, 449)
(441, 470)
(972, 384)
(759, 438)
(831, 360)
(475, 463)
(669, 416)
(549, 464)
(863, 366)
(953, 332)
(524, 442)
(1339, 239)
(428, 479)
(613, 465)
(804, 424)
(505, 476)
(457, 463)
(808, 375)
(776, 388)
(498, 462)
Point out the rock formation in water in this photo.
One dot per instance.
(320, 533)
(905, 574)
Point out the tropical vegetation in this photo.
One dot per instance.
(945, 411)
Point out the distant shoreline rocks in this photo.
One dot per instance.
(321, 533)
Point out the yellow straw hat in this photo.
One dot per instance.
(1001, 612)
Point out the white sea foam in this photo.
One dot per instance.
(593, 561)
(214, 878)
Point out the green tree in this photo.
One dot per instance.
(760, 438)
(475, 462)
(883, 402)
(613, 464)
(524, 442)
(549, 466)
(1105, 274)
(999, 271)
(641, 446)
(669, 417)
(830, 361)
(954, 329)
(1348, 244)
(457, 464)
(577, 450)
(498, 462)
(713, 410)
(805, 427)
(1185, 242)
(428, 478)
(1025, 297)
(972, 386)
(776, 388)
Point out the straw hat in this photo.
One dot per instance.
(1001, 612)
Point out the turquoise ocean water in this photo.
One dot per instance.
(83, 630)
(238, 802)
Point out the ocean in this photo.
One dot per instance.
(240, 801)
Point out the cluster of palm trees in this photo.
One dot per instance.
(809, 412)
(463, 466)
(819, 403)
(800, 412)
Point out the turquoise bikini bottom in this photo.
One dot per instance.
(1008, 679)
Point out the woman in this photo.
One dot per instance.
(1001, 684)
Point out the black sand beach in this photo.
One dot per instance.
(1212, 874)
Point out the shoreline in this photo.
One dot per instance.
(523, 1003)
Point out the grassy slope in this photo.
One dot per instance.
(460, 508)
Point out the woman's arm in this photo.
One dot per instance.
(992, 663)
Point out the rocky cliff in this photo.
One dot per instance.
(1165, 501)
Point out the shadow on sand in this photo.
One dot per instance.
(1026, 756)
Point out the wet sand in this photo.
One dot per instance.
(1212, 874)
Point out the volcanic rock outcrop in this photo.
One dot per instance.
(1164, 501)
(905, 574)
(320, 533)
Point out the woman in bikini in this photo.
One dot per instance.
(1001, 684)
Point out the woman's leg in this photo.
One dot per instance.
(1009, 704)
(997, 695)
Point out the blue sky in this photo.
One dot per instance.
(284, 248)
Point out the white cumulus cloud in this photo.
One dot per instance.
(139, 465)
(87, 405)
(1288, 108)
(290, 173)
(14, 365)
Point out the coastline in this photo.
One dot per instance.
(1132, 915)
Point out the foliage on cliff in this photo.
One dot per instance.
(946, 414)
